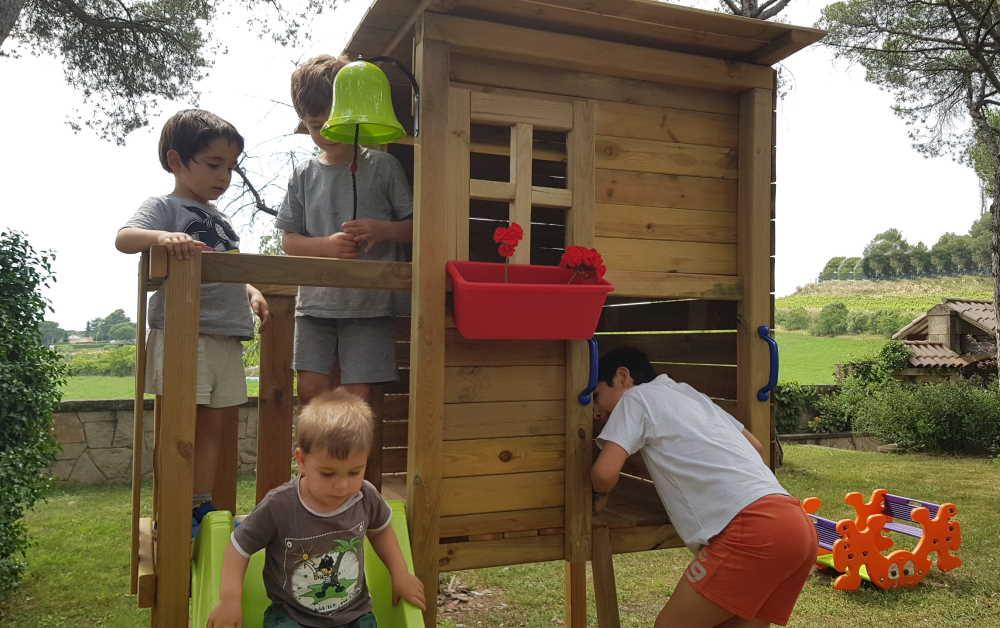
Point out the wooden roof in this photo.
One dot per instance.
(637, 22)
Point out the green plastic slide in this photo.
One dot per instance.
(206, 573)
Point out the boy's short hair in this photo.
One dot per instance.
(190, 131)
(631, 358)
(312, 86)
(337, 421)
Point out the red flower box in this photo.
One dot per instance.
(538, 302)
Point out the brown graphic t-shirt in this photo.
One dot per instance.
(314, 565)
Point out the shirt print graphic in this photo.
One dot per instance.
(323, 572)
(209, 229)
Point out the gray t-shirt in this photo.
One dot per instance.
(314, 564)
(319, 201)
(225, 310)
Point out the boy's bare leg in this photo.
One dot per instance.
(686, 607)
(210, 426)
(311, 384)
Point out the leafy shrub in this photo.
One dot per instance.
(30, 378)
(791, 401)
(860, 322)
(116, 361)
(794, 319)
(832, 320)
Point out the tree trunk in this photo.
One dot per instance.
(995, 269)
(9, 10)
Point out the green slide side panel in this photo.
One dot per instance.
(827, 561)
(206, 574)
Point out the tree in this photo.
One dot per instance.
(920, 259)
(884, 257)
(51, 333)
(941, 61)
(830, 270)
(126, 56)
(752, 8)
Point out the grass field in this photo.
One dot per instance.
(810, 359)
(78, 567)
(84, 387)
(908, 295)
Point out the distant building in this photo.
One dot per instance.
(953, 339)
(75, 339)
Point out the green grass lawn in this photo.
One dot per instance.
(810, 359)
(78, 567)
(82, 387)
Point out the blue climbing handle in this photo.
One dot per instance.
(765, 333)
(585, 396)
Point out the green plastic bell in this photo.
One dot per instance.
(362, 100)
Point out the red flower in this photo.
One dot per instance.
(585, 263)
(508, 239)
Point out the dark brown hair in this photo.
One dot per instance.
(190, 131)
(312, 85)
(337, 421)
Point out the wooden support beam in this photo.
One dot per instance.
(459, 185)
(551, 197)
(520, 174)
(138, 413)
(575, 600)
(754, 243)
(176, 445)
(275, 400)
(482, 189)
(493, 553)
(291, 270)
(504, 109)
(605, 593)
(571, 52)
(427, 344)
(145, 569)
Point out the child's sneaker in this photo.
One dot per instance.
(197, 514)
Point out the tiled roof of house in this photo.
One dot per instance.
(936, 355)
(978, 313)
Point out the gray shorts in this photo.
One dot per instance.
(363, 348)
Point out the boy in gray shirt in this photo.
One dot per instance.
(313, 530)
(343, 336)
(200, 149)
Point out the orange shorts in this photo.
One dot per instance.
(756, 567)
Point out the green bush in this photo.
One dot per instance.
(794, 319)
(860, 322)
(888, 322)
(30, 378)
(791, 400)
(832, 320)
(116, 361)
(948, 417)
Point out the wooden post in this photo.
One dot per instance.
(137, 417)
(427, 331)
(605, 592)
(227, 464)
(176, 444)
(274, 402)
(520, 174)
(753, 228)
(579, 419)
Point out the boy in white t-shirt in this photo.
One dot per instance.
(755, 546)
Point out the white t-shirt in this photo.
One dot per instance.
(704, 469)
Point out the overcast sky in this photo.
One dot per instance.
(846, 169)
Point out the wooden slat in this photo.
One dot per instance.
(661, 223)
(495, 493)
(580, 53)
(272, 290)
(478, 554)
(503, 383)
(754, 260)
(644, 539)
(305, 271)
(494, 108)
(138, 414)
(491, 456)
(714, 381)
(426, 410)
(703, 348)
(159, 261)
(632, 283)
(483, 189)
(665, 157)
(145, 569)
(686, 314)
(459, 186)
(666, 256)
(520, 174)
(575, 594)
(503, 419)
(550, 197)
(227, 463)
(275, 401)
(462, 352)
(175, 453)
(605, 592)
(665, 190)
(666, 124)
(496, 73)
(393, 460)
(499, 522)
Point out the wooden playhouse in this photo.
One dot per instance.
(642, 129)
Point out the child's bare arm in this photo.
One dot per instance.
(604, 473)
(229, 611)
(404, 584)
(136, 240)
(340, 245)
(368, 231)
(753, 441)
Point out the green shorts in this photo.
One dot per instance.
(275, 617)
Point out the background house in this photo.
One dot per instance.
(955, 338)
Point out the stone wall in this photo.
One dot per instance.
(839, 440)
(96, 440)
